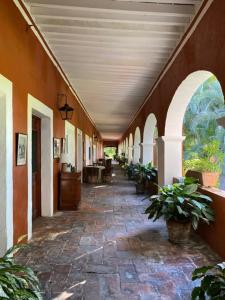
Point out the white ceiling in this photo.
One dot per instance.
(112, 50)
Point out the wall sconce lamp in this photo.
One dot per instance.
(66, 111)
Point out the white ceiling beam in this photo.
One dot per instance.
(144, 46)
(169, 42)
(101, 61)
(130, 19)
(115, 6)
(115, 27)
(109, 32)
(70, 53)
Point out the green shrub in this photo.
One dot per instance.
(17, 282)
(181, 202)
(212, 284)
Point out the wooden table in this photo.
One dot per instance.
(100, 168)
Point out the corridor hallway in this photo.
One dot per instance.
(109, 250)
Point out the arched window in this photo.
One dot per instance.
(171, 145)
(137, 141)
(149, 139)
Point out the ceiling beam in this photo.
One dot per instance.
(116, 6)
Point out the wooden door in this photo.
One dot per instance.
(36, 167)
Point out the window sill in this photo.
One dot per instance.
(213, 190)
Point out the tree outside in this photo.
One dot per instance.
(110, 152)
(204, 145)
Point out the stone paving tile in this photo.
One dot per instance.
(109, 250)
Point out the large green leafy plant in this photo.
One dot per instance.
(181, 202)
(152, 172)
(211, 159)
(212, 285)
(145, 173)
(17, 282)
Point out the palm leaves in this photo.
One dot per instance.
(17, 282)
(200, 121)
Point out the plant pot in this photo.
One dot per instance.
(208, 179)
(178, 232)
(140, 188)
(151, 188)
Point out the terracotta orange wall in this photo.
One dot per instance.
(205, 50)
(110, 143)
(24, 62)
(214, 233)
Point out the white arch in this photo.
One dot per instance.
(170, 145)
(137, 141)
(148, 138)
(130, 148)
(180, 101)
(6, 163)
(126, 148)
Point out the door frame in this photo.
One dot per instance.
(79, 133)
(71, 127)
(6, 162)
(39, 109)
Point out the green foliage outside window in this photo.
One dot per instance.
(204, 144)
(110, 152)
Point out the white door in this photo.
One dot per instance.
(88, 150)
(79, 150)
(94, 153)
(70, 142)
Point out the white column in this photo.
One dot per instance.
(170, 156)
(147, 152)
(130, 154)
(136, 154)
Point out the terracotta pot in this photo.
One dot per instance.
(209, 179)
(140, 188)
(178, 232)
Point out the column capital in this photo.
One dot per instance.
(147, 144)
(173, 139)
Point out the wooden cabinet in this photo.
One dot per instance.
(70, 191)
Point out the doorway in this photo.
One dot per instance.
(79, 150)
(70, 142)
(36, 167)
(45, 115)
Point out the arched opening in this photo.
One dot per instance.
(137, 141)
(149, 139)
(203, 128)
(126, 148)
(130, 148)
(6, 163)
(170, 146)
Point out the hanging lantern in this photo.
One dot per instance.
(66, 111)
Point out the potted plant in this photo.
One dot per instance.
(206, 167)
(129, 170)
(140, 175)
(212, 284)
(151, 185)
(182, 206)
(16, 281)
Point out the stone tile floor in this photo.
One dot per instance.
(110, 250)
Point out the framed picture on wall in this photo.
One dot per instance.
(21, 149)
(56, 148)
(63, 145)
